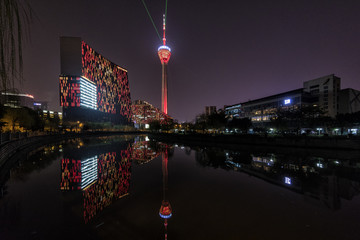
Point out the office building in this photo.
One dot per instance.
(323, 92)
(210, 110)
(233, 111)
(92, 88)
(326, 89)
(264, 109)
(17, 100)
(40, 105)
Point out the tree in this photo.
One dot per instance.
(15, 17)
(216, 120)
(240, 123)
(2, 113)
(212, 121)
(155, 125)
(12, 118)
(19, 119)
(306, 116)
(30, 120)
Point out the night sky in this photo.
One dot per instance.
(223, 52)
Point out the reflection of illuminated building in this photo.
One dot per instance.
(143, 153)
(307, 176)
(70, 174)
(264, 163)
(103, 179)
(165, 211)
(113, 183)
(92, 88)
(88, 171)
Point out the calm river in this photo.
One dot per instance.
(129, 187)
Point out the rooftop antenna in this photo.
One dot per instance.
(164, 28)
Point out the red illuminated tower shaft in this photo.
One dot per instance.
(164, 89)
(164, 53)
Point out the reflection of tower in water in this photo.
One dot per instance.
(165, 209)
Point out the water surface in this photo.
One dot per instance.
(113, 188)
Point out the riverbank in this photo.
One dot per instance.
(231, 141)
(11, 148)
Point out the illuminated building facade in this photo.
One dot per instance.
(323, 92)
(233, 111)
(264, 109)
(17, 100)
(92, 88)
(144, 113)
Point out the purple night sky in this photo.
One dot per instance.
(222, 54)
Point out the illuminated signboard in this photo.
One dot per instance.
(287, 101)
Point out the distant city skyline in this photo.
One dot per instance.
(223, 54)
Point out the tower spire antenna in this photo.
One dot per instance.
(164, 29)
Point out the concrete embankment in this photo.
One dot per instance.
(341, 143)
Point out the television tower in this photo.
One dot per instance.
(164, 53)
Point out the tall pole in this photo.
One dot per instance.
(164, 53)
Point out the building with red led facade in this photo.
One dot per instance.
(144, 113)
(92, 88)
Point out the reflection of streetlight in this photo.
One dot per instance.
(319, 129)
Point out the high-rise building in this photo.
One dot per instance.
(210, 110)
(92, 88)
(326, 89)
(41, 105)
(164, 53)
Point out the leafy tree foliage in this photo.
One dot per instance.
(212, 121)
(15, 17)
(243, 124)
(26, 119)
